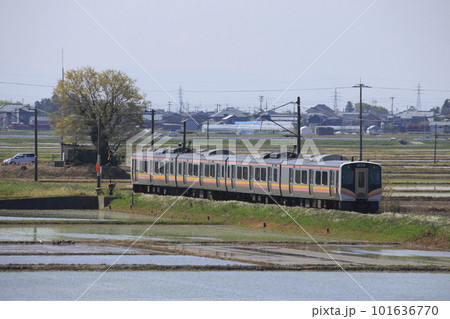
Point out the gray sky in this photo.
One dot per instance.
(241, 45)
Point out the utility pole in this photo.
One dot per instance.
(435, 142)
(299, 137)
(207, 134)
(152, 112)
(62, 78)
(35, 145)
(180, 95)
(361, 86)
(392, 105)
(99, 156)
(170, 103)
(184, 136)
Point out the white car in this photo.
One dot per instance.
(20, 158)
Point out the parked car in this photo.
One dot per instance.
(20, 159)
(171, 134)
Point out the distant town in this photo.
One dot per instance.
(319, 119)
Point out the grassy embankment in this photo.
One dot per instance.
(341, 225)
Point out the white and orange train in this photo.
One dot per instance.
(330, 181)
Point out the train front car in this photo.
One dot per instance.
(361, 186)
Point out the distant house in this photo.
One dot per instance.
(411, 120)
(321, 109)
(440, 127)
(229, 116)
(14, 114)
(322, 115)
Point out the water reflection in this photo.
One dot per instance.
(224, 285)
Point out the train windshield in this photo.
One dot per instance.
(348, 177)
(374, 177)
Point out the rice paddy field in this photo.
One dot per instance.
(415, 205)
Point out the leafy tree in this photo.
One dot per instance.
(47, 105)
(87, 97)
(349, 107)
(372, 109)
(445, 109)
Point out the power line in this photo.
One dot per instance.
(27, 84)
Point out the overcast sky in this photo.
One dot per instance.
(260, 46)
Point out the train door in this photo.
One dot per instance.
(269, 179)
(331, 183)
(361, 182)
(291, 179)
(218, 175)
(150, 171)
(200, 177)
(184, 173)
(166, 171)
(311, 181)
(233, 176)
(250, 177)
(133, 167)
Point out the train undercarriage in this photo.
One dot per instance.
(363, 206)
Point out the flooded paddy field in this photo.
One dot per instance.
(58, 254)
(222, 285)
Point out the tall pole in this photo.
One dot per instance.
(299, 137)
(392, 105)
(184, 136)
(152, 112)
(62, 78)
(360, 85)
(435, 141)
(207, 134)
(99, 156)
(35, 145)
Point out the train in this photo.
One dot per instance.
(323, 181)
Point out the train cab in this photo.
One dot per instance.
(360, 186)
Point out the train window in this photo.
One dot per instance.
(171, 168)
(223, 170)
(275, 174)
(245, 173)
(317, 178)
(348, 178)
(304, 177)
(184, 168)
(325, 178)
(212, 170)
(180, 169)
(297, 176)
(331, 177)
(233, 171)
(229, 174)
(337, 178)
(269, 174)
(161, 168)
(257, 174)
(374, 177)
(239, 172)
(291, 175)
(206, 170)
(156, 167)
(190, 169)
(195, 169)
(263, 174)
(361, 179)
